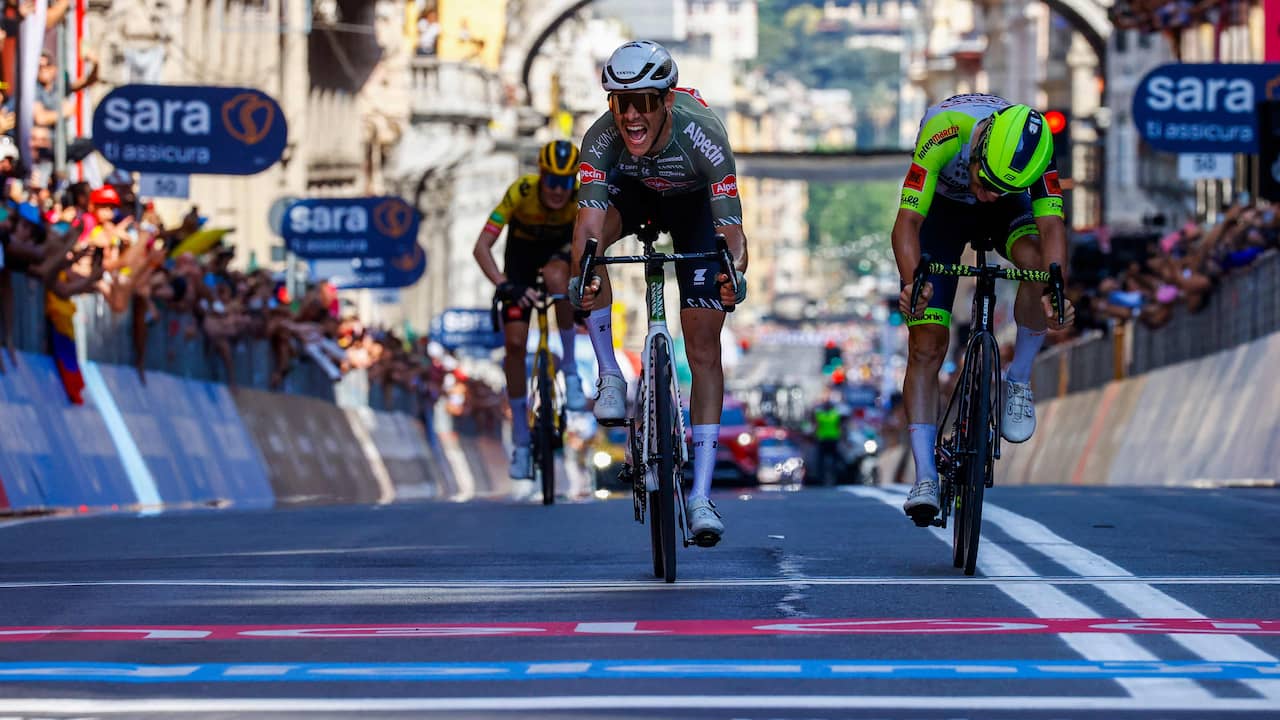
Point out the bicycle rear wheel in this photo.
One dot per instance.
(979, 465)
(544, 457)
(664, 428)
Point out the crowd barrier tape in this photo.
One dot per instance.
(54, 455)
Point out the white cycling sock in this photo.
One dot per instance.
(704, 458)
(600, 328)
(1024, 354)
(922, 437)
(519, 421)
(568, 361)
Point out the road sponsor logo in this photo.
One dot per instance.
(849, 626)
(332, 228)
(827, 669)
(183, 130)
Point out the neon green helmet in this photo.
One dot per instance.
(1014, 148)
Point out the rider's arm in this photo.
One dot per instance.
(483, 251)
(590, 224)
(906, 242)
(600, 149)
(1046, 205)
(737, 241)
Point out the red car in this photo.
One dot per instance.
(737, 449)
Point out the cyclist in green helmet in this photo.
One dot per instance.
(982, 173)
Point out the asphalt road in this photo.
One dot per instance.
(822, 603)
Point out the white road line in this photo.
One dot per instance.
(1137, 596)
(104, 706)
(589, 586)
(1048, 601)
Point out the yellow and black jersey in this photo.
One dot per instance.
(530, 221)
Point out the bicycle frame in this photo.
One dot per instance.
(644, 438)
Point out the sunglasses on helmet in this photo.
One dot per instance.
(558, 182)
(643, 102)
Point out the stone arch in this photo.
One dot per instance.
(1087, 16)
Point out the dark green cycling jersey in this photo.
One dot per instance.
(696, 159)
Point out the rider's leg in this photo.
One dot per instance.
(600, 320)
(556, 275)
(1018, 419)
(515, 335)
(926, 349)
(706, 399)
(1027, 309)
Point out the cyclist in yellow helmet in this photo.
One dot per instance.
(539, 211)
(982, 173)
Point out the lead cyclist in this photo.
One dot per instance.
(982, 172)
(661, 158)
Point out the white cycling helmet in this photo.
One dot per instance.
(639, 65)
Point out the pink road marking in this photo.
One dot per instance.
(848, 626)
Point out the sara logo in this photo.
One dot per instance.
(248, 117)
(409, 261)
(187, 130)
(393, 217)
(728, 187)
(589, 174)
(331, 228)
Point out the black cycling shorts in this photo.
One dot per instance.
(951, 224)
(528, 252)
(689, 220)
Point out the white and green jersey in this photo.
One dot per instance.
(696, 159)
(940, 164)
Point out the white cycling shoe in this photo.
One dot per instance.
(1019, 419)
(611, 401)
(574, 398)
(704, 522)
(922, 501)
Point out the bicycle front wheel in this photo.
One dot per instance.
(545, 456)
(975, 477)
(664, 429)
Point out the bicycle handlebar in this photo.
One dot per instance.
(1052, 278)
(722, 253)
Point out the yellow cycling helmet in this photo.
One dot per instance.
(558, 157)
(1014, 149)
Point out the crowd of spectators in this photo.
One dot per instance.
(180, 280)
(1146, 278)
(1171, 17)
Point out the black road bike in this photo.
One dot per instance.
(968, 440)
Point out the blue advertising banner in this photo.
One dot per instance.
(372, 271)
(183, 129)
(325, 228)
(459, 328)
(1203, 108)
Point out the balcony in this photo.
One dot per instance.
(455, 92)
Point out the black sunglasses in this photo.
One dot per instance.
(643, 102)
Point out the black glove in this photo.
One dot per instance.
(509, 291)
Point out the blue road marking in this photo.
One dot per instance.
(631, 669)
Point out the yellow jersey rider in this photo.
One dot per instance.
(539, 211)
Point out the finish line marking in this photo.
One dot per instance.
(675, 628)
(631, 670)
(101, 706)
